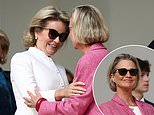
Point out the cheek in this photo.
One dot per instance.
(116, 78)
(136, 82)
(42, 36)
(61, 44)
(71, 36)
(140, 81)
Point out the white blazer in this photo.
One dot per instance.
(31, 70)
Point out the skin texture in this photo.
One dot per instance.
(44, 43)
(143, 85)
(72, 89)
(126, 83)
(50, 47)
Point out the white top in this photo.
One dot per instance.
(135, 109)
(31, 70)
(142, 99)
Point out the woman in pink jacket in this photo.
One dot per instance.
(123, 76)
(87, 32)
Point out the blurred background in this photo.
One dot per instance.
(129, 22)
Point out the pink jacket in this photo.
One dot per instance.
(117, 107)
(83, 104)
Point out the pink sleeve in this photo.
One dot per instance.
(76, 105)
(83, 104)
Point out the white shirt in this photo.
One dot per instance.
(31, 70)
(142, 99)
(135, 109)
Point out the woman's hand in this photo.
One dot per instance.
(73, 89)
(31, 102)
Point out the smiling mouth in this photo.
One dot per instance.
(147, 85)
(52, 45)
(128, 80)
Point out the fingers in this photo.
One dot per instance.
(30, 94)
(34, 98)
(78, 83)
(78, 86)
(28, 102)
(37, 93)
(77, 92)
(27, 99)
(31, 102)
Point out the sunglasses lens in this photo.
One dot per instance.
(63, 37)
(122, 72)
(133, 72)
(53, 34)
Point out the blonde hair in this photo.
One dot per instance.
(40, 20)
(4, 47)
(111, 70)
(88, 25)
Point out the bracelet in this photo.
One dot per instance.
(39, 103)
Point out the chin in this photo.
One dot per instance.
(145, 90)
(75, 47)
(51, 53)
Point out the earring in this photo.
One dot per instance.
(36, 38)
(2, 60)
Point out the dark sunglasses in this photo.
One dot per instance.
(123, 71)
(53, 34)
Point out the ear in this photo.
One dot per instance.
(113, 77)
(36, 35)
(37, 32)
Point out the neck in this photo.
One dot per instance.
(84, 48)
(138, 95)
(126, 96)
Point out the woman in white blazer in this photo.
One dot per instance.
(34, 69)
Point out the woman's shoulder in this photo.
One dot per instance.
(107, 104)
(20, 56)
(93, 58)
(60, 67)
(144, 104)
(107, 107)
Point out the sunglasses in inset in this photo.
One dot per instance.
(53, 34)
(123, 71)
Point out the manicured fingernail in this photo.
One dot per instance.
(83, 83)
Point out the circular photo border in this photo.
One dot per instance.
(102, 92)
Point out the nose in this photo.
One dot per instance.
(146, 77)
(57, 39)
(128, 74)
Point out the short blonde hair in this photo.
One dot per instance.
(112, 68)
(4, 46)
(40, 20)
(88, 25)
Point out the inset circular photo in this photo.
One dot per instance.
(124, 81)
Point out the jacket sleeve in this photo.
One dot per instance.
(23, 78)
(75, 105)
